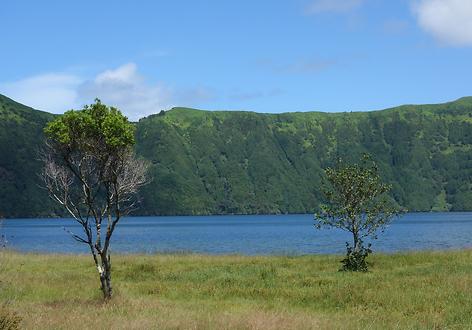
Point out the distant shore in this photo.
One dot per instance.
(211, 215)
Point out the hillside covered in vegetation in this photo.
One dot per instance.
(21, 137)
(219, 162)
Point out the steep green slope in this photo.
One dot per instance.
(243, 162)
(20, 139)
(207, 162)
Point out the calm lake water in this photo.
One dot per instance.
(248, 235)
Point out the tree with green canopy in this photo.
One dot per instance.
(357, 203)
(90, 169)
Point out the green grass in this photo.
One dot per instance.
(403, 291)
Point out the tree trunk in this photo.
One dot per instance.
(355, 235)
(105, 276)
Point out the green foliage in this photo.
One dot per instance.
(90, 169)
(355, 261)
(357, 198)
(358, 204)
(21, 136)
(242, 162)
(97, 125)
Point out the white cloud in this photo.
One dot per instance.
(333, 6)
(123, 87)
(54, 92)
(450, 21)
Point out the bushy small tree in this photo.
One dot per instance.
(90, 169)
(357, 203)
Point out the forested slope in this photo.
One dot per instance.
(244, 162)
(214, 162)
(21, 135)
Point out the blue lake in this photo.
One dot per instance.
(247, 235)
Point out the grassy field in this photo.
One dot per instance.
(406, 291)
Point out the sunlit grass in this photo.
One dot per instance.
(417, 290)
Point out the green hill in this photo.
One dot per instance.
(21, 136)
(215, 162)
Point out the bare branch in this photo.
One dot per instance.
(75, 236)
(90, 169)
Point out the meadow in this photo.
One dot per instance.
(402, 291)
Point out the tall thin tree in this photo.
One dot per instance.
(90, 169)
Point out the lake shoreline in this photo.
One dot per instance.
(231, 255)
(220, 215)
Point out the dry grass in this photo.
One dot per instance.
(410, 291)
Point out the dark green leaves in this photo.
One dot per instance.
(95, 126)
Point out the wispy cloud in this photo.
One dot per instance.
(251, 95)
(301, 66)
(123, 87)
(55, 92)
(127, 89)
(194, 95)
(332, 6)
(449, 21)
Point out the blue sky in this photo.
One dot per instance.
(259, 55)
